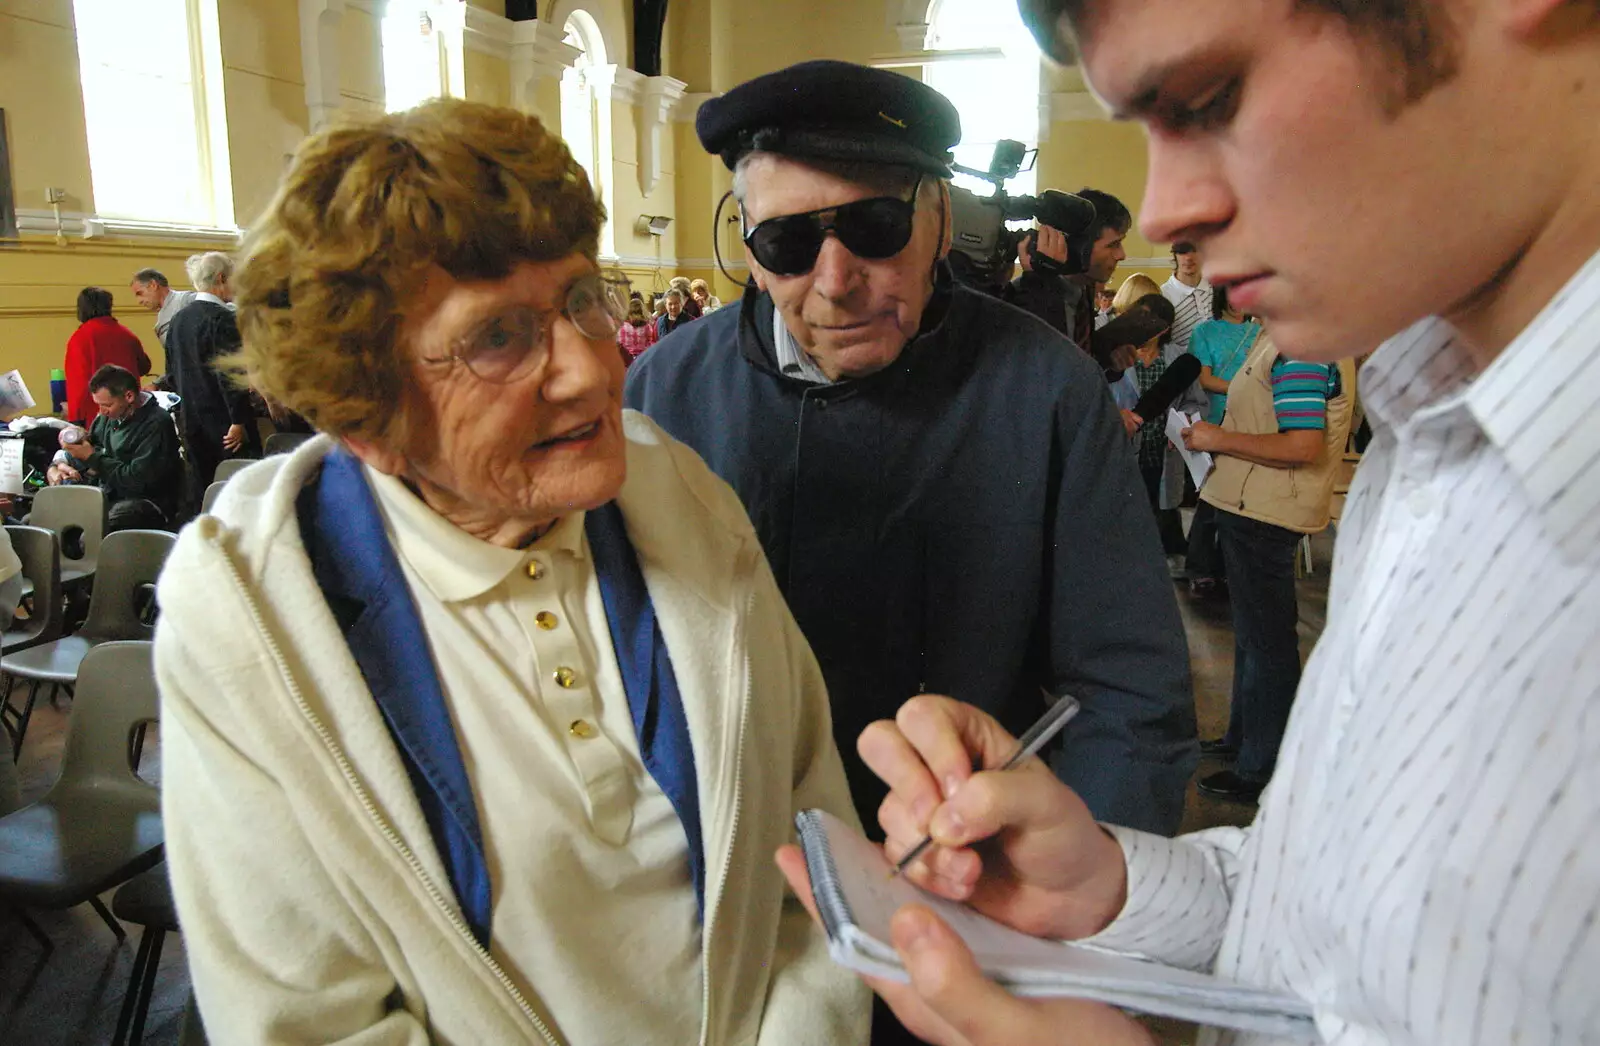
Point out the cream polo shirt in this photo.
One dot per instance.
(593, 905)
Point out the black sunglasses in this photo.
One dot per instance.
(873, 229)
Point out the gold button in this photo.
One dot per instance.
(546, 620)
(535, 569)
(582, 729)
(566, 678)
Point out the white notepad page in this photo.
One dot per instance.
(857, 895)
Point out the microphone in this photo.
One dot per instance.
(1181, 373)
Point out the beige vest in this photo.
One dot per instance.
(1294, 498)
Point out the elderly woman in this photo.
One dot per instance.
(483, 715)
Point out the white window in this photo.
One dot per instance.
(997, 97)
(157, 143)
(577, 94)
(411, 67)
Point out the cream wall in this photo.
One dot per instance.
(710, 46)
(264, 95)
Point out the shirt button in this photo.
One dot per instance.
(1420, 502)
(546, 620)
(582, 729)
(535, 569)
(565, 678)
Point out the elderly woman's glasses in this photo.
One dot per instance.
(516, 342)
(877, 228)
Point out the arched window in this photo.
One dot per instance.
(997, 97)
(410, 55)
(157, 146)
(578, 95)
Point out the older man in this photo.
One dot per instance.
(1423, 869)
(131, 451)
(481, 715)
(940, 480)
(217, 418)
(151, 289)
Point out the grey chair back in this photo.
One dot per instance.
(40, 552)
(130, 563)
(210, 497)
(62, 509)
(231, 467)
(284, 442)
(116, 693)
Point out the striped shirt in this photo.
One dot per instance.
(1192, 305)
(1300, 393)
(1424, 867)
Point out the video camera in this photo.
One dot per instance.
(984, 252)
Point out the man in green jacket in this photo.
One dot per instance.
(131, 452)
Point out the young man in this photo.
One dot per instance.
(1423, 867)
(1188, 292)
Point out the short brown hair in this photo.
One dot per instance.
(119, 381)
(366, 208)
(1416, 32)
(93, 302)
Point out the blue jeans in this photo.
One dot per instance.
(1259, 558)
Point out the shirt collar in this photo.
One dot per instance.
(1181, 289)
(452, 564)
(1533, 402)
(208, 296)
(792, 360)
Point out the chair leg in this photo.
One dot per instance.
(22, 721)
(130, 998)
(148, 988)
(110, 920)
(34, 929)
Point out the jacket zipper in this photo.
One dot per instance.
(733, 829)
(389, 833)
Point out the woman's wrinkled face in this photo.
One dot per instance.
(545, 441)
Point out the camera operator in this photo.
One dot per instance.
(1043, 288)
(913, 452)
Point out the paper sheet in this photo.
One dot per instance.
(1199, 462)
(14, 395)
(857, 896)
(11, 466)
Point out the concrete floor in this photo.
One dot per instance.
(73, 996)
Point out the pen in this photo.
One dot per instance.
(1038, 735)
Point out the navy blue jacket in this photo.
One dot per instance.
(967, 521)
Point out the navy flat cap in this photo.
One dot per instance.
(833, 111)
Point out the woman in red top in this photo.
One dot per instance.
(98, 340)
(638, 333)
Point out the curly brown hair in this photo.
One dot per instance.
(366, 208)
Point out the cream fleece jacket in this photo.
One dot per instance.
(314, 905)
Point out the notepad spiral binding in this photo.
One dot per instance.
(825, 889)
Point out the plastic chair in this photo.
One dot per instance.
(231, 467)
(130, 562)
(145, 900)
(78, 514)
(211, 495)
(40, 552)
(99, 825)
(284, 442)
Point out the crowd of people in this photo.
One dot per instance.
(510, 695)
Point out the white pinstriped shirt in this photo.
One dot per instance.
(1425, 867)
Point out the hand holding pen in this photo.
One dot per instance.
(1017, 845)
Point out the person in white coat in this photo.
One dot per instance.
(482, 713)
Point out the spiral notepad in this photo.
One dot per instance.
(856, 896)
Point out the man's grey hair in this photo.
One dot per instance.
(155, 276)
(673, 292)
(887, 178)
(207, 271)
